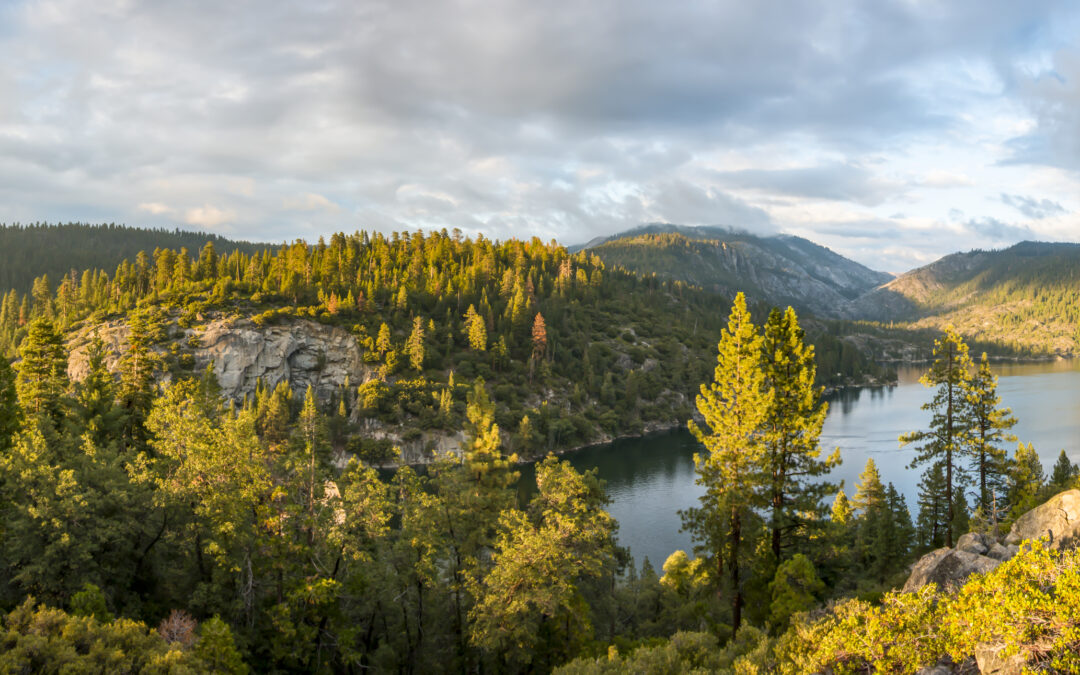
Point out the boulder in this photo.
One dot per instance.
(947, 568)
(1002, 553)
(973, 542)
(1058, 520)
(991, 661)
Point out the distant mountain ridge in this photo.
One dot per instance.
(1027, 295)
(779, 269)
(29, 251)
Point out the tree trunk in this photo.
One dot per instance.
(736, 592)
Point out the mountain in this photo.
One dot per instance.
(30, 251)
(777, 270)
(1026, 296)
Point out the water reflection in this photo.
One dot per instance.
(650, 479)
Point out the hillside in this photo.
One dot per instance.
(780, 270)
(574, 352)
(30, 251)
(1026, 296)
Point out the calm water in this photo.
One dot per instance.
(649, 479)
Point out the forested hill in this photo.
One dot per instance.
(777, 270)
(29, 251)
(574, 352)
(1026, 296)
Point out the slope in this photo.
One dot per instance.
(777, 270)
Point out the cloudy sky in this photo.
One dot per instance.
(891, 131)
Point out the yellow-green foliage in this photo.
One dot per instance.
(1031, 604)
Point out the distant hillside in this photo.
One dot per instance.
(1026, 296)
(778, 270)
(29, 251)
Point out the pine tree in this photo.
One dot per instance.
(951, 421)
(42, 373)
(734, 406)
(475, 330)
(95, 396)
(904, 530)
(933, 509)
(873, 517)
(841, 512)
(9, 405)
(138, 367)
(539, 337)
(792, 430)
(414, 346)
(1026, 480)
(990, 426)
(1064, 473)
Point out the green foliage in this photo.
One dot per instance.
(1026, 480)
(795, 588)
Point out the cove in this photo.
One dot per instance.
(650, 478)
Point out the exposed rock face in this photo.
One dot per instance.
(973, 542)
(947, 568)
(301, 352)
(1057, 519)
(992, 662)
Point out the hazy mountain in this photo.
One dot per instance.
(778, 270)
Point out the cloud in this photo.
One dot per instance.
(309, 201)
(840, 182)
(1033, 208)
(208, 216)
(996, 230)
(570, 120)
(944, 180)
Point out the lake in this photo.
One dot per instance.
(650, 478)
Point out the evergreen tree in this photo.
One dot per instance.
(961, 522)
(951, 421)
(874, 520)
(414, 346)
(1063, 475)
(138, 367)
(9, 405)
(792, 431)
(95, 396)
(735, 406)
(903, 538)
(42, 373)
(841, 512)
(475, 330)
(990, 426)
(1026, 479)
(933, 509)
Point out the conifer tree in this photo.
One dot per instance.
(734, 406)
(414, 346)
(792, 430)
(903, 529)
(1026, 480)
(873, 517)
(1064, 473)
(951, 421)
(842, 511)
(933, 509)
(990, 426)
(42, 373)
(475, 330)
(96, 396)
(138, 367)
(9, 405)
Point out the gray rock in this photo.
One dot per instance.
(947, 568)
(973, 542)
(1002, 553)
(991, 661)
(1058, 520)
(939, 669)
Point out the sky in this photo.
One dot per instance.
(893, 132)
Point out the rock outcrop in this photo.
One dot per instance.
(301, 352)
(1058, 520)
(947, 568)
(991, 660)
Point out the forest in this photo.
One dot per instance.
(613, 353)
(155, 526)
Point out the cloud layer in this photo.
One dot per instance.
(892, 131)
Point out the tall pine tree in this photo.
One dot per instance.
(990, 426)
(943, 442)
(734, 406)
